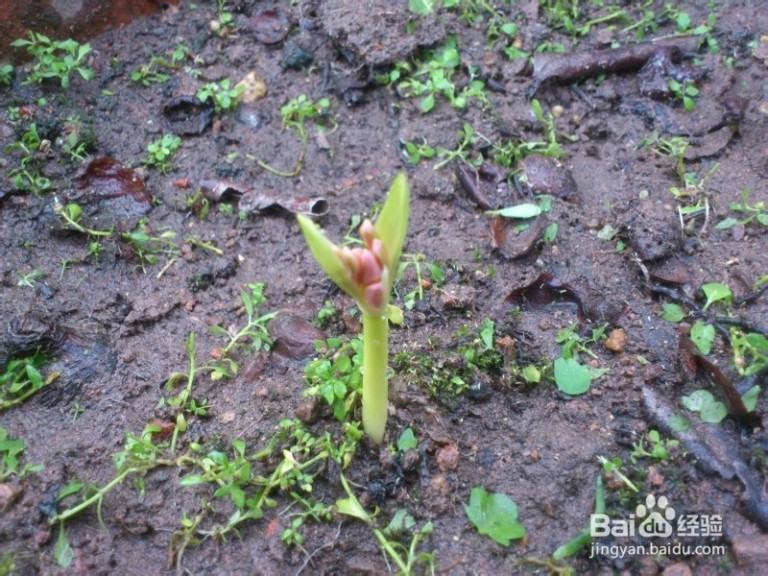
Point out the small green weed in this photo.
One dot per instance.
(29, 279)
(584, 538)
(571, 376)
(147, 247)
(336, 375)
(149, 74)
(750, 352)
(673, 148)
(10, 451)
(225, 20)
(422, 7)
(447, 378)
(224, 98)
(161, 152)
(6, 74)
(415, 261)
(614, 466)
(713, 411)
(658, 448)
(254, 336)
(757, 212)
(506, 152)
(432, 76)
(28, 175)
(55, 58)
(406, 558)
(77, 139)
(21, 379)
(684, 92)
(326, 314)
(71, 214)
(293, 115)
(300, 109)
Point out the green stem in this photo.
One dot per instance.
(375, 389)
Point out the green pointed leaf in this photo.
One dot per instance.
(63, 551)
(727, 223)
(392, 224)
(518, 211)
(750, 398)
(324, 252)
(395, 315)
(351, 505)
(407, 441)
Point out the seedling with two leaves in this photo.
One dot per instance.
(254, 336)
(367, 274)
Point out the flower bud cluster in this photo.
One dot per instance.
(367, 267)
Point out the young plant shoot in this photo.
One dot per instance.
(366, 274)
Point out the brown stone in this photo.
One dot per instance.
(616, 341)
(448, 458)
(294, 336)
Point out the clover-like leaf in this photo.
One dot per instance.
(494, 515)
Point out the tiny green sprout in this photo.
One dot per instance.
(684, 92)
(366, 274)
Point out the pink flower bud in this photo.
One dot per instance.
(367, 232)
(374, 295)
(380, 251)
(369, 269)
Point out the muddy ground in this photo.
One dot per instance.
(112, 318)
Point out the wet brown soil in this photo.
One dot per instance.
(113, 322)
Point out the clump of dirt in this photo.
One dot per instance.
(540, 346)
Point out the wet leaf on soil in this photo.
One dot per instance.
(268, 26)
(111, 192)
(715, 292)
(494, 515)
(515, 241)
(543, 175)
(252, 201)
(710, 410)
(188, 115)
(566, 68)
(545, 290)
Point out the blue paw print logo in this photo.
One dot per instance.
(655, 517)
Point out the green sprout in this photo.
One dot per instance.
(55, 58)
(366, 274)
